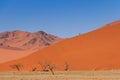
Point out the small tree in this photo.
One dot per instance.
(51, 68)
(47, 67)
(34, 69)
(66, 66)
(17, 66)
(44, 67)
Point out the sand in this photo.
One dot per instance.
(61, 75)
(95, 50)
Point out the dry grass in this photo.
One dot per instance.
(61, 75)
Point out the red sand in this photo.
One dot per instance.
(10, 54)
(96, 50)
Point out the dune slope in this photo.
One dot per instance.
(10, 54)
(96, 50)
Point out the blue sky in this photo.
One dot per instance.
(64, 18)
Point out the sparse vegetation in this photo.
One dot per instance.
(47, 67)
(61, 75)
(44, 67)
(34, 69)
(66, 66)
(51, 68)
(16, 66)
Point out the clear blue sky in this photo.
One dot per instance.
(64, 18)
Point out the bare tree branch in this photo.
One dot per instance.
(51, 68)
(47, 67)
(44, 67)
(17, 66)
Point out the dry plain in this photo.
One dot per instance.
(61, 75)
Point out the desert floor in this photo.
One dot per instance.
(61, 75)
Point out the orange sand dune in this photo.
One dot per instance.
(96, 50)
(12, 54)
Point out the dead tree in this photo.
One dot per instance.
(51, 68)
(16, 66)
(66, 66)
(47, 67)
(44, 67)
(34, 69)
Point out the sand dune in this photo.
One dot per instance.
(10, 54)
(96, 50)
(17, 44)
